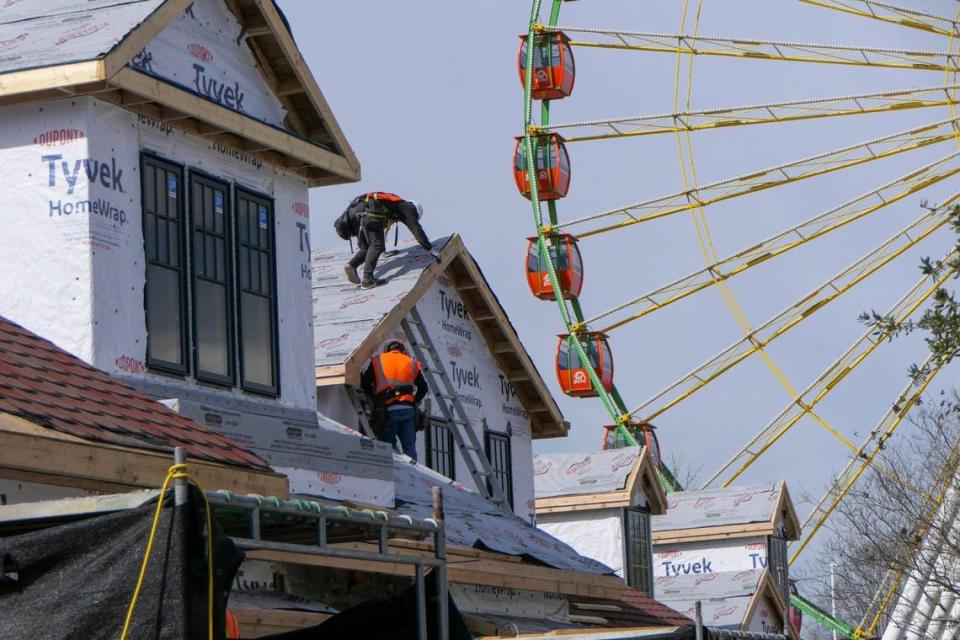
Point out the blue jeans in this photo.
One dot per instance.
(401, 422)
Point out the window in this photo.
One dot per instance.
(163, 239)
(212, 281)
(439, 445)
(777, 562)
(258, 300)
(638, 549)
(222, 257)
(497, 447)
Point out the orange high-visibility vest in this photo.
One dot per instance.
(233, 625)
(395, 376)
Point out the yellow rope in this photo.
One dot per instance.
(176, 472)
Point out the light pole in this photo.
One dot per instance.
(833, 599)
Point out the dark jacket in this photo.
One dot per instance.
(392, 207)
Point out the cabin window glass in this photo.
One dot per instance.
(257, 297)
(533, 258)
(563, 356)
(439, 446)
(212, 280)
(497, 446)
(638, 550)
(163, 237)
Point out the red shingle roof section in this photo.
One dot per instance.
(633, 609)
(46, 385)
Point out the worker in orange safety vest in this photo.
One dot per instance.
(395, 381)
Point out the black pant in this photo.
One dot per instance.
(371, 242)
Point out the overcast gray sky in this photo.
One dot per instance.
(428, 95)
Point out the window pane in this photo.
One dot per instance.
(149, 189)
(257, 328)
(163, 254)
(210, 255)
(150, 236)
(212, 339)
(199, 264)
(164, 340)
(244, 262)
(264, 272)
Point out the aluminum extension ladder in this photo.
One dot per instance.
(464, 435)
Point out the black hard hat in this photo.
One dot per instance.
(395, 345)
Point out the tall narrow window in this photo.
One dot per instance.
(777, 563)
(258, 300)
(439, 441)
(163, 236)
(638, 550)
(497, 447)
(212, 282)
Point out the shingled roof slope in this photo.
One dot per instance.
(47, 386)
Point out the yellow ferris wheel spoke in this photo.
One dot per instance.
(769, 178)
(893, 14)
(749, 48)
(796, 313)
(811, 229)
(774, 112)
(866, 454)
(833, 375)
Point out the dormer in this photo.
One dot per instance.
(157, 160)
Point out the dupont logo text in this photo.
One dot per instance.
(200, 52)
(56, 137)
(80, 33)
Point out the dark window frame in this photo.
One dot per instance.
(240, 193)
(196, 175)
(632, 569)
(433, 455)
(156, 365)
(778, 565)
(504, 438)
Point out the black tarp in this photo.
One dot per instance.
(387, 619)
(74, 581)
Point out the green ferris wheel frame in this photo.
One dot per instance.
(611, 400)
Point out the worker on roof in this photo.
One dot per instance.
(368, 217)
(395, 382)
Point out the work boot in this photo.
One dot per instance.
(371, 283)
(351, 272)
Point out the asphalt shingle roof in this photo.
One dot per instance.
(54, 389)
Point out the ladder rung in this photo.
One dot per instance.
(470, 447)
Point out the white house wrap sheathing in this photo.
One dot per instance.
(344, 315)
(596, 534)
(564, 474)
(205, 51)
(42, 33)
(725, 597)
(719, 507)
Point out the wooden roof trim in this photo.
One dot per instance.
(644, 477)
(705, 534)
(531, 390)
(138, 38)
(228, 120)
(44, 78)
(307, 81)
(790, 521)
(35, 453)
(767, 588)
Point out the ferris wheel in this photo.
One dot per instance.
(909, 100)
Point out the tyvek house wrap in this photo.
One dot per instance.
(205, 51)
(718, 507)
(724, 596)
(41, 33)
(345, 315)
(563, 474)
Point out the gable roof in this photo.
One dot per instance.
(47, 386)
(596, 480)
(350, 324)
(750, 510)
(61, 48)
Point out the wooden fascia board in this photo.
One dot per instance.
(561, 427)
(45, 78)
(645, 475)
(584, 502)
(469, 570)
(68, 460)
(790, 521)
(704, 534)
(230, 121)
(305, 76)
(139, 37)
